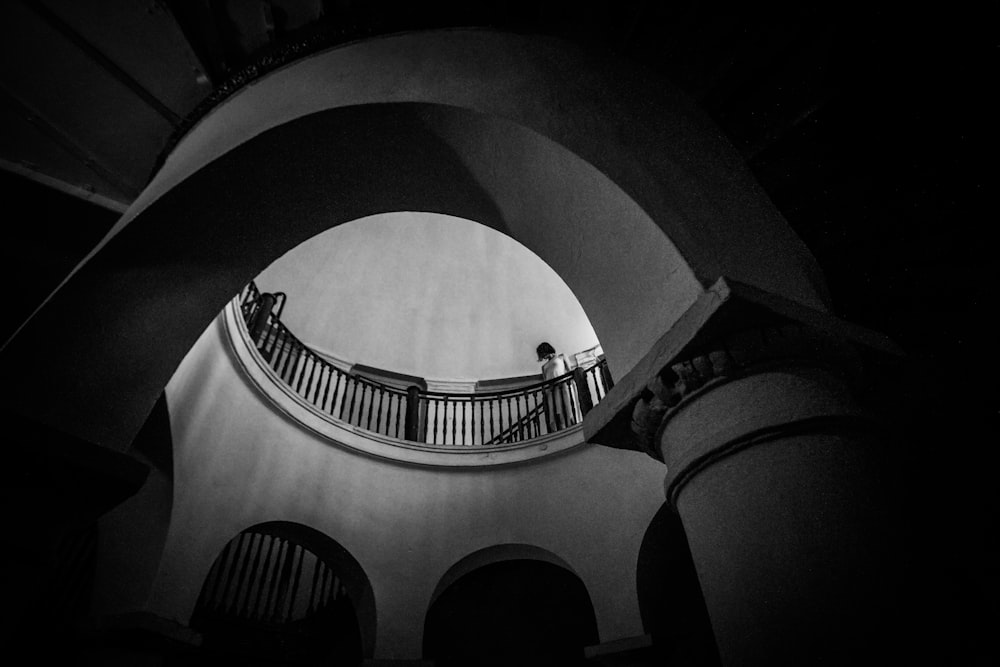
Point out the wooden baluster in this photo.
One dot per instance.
(328, 374)
(505, 427)
(399, 408)
(371, 406)
(466, 411)
(582, 390)
(482, 422)
(247, 550)
(444, 421)
(324, 584)
(390, 398)
(558, 403)
(567, 392)
(268, 610)
(281, 353)
(274, 353)
(312, 373)
(512, 418)
(295, 373)
(412, 425)
(354, 394)
(253, 576)
(272, 340)
(382, 418)
(303, 362)
(427, 417)
(538, 422)
(268, 567)
(286, 351)
(290, 615)
(292, 363)
(306, 358)
(317, 566)
(336, 392)
(433, 439)
(274, 349)
(283, 580)
(362, 402)
(234, 567)
(465, 420)
(266, 342)
(515, 418)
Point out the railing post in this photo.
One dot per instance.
(606, 374)
(260, 317)
(582, 390)
(411, 429)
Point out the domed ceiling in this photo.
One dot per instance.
(428, 295)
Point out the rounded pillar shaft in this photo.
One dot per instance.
(776, 478)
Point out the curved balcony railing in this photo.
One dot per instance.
(414, 414)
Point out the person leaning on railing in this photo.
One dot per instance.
(556, 405)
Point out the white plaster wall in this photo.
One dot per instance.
(238, 463)
(428, 295)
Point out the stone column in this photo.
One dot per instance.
(775, 472)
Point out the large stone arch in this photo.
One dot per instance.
(611, 177)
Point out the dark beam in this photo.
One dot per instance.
(102, 60)
(67, 144)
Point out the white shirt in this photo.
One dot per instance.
(554, 367)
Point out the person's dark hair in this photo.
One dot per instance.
(544, 350)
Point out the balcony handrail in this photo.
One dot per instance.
(417, 415)
(501, 393)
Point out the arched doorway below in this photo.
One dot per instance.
(670, 599)
(283, 593)
(512, 612)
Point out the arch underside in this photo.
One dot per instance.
(509, 603)
(618, 186)
(495, 554)
(254, 603)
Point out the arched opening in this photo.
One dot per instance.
(509, 605)
(671, 603)
(281, 592)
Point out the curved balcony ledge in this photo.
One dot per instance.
(290, 404)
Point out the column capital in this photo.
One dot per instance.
(731, 332)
